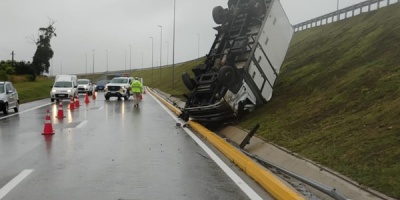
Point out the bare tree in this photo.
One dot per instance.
(43, 52)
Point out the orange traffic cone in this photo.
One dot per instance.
(94, 95)
(87, 98)
(48, 128)
(60, 113)
(77, 102)
(72, 104)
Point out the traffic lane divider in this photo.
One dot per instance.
(265, 178)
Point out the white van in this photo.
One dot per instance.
(64, 87)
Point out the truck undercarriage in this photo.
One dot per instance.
(242, 65)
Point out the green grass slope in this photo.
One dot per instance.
(337, 100)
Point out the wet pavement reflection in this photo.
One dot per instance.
(107, 150)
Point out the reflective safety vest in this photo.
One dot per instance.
(136, 86)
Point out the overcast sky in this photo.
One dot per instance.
(112, 25)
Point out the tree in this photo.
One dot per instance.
(43, 52)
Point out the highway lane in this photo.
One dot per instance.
(109, 150)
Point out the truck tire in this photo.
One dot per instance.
(189, 82)
(232, 3)
(5, 111)
(257, 6)
(219, 15)
(227, 76)
(16, 108)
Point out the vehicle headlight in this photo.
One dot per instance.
(123, 87)
(53, 91)
(85, 86)
(68, 90)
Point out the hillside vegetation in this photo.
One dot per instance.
(337, 99)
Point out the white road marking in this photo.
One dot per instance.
(235, 178)
(14, 182)
(83, 123)
(26, 110)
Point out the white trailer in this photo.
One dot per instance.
(244, 61)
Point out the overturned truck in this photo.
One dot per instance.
(243, 64)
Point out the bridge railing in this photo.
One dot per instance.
(351, 11)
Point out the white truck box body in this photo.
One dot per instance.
(244, 61)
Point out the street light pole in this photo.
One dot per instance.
(198, 45)
(152, 74)
(142, 59)
(130, 59)
(337, 8)
(107, 61)
(160, 51)
(173, 51)
(167, 51)
(93, 61)
(86, 62)
(125, 60)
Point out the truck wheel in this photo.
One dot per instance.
(232, 3)
(257, 6)
(107, 97)
(126, 98)
(16, 107)
(5, 111)
(52, 100)
(189, 82)
(227, 76)
(219, 15)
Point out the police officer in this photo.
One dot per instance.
(136, 88)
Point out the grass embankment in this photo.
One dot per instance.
(32, 90)
(337, 100)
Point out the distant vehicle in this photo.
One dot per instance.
(8, 97)
(243, 63)
(85, 86)
(118, 87)
(100, 85)
(64, 87)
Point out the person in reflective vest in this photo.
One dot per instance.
(136, 88)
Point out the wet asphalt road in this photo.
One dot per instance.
(107, 150)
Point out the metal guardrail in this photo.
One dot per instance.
(337, 15)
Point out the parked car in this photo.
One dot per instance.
(8, 97)
(118, 87)
(101, 84)
(85, 86)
